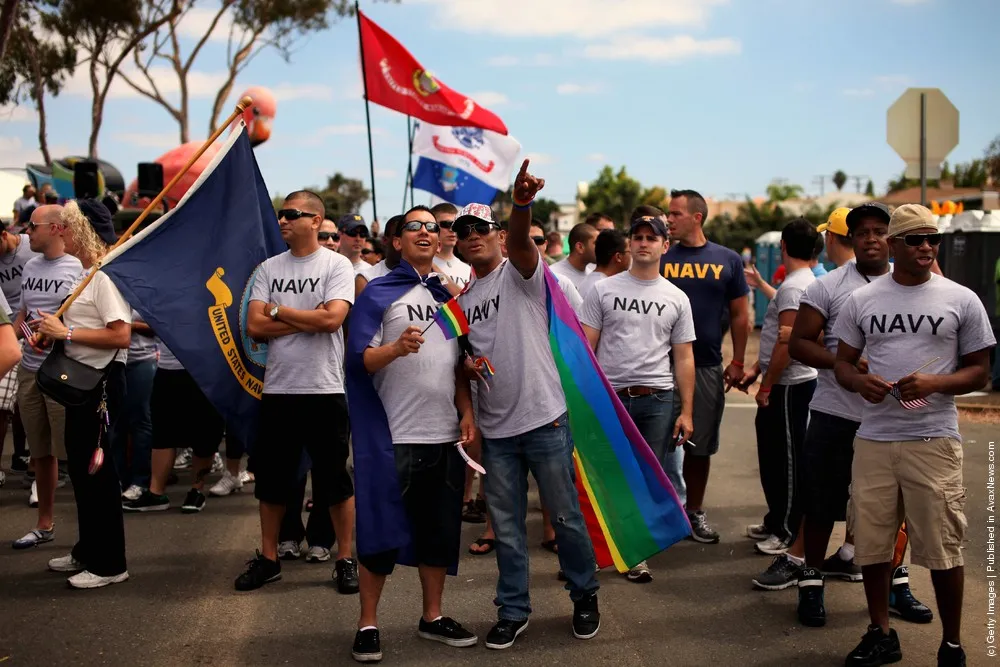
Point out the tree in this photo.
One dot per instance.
(8, 14)
(779, 191)
(992, 155)
(839, 178)
(870, 189)
(656, 196)
(614, 194)
(753, 219)
(342, 195)
(973, 174)
(542, 209)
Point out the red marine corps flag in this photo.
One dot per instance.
(394, 79)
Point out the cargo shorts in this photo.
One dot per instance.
(919, 480)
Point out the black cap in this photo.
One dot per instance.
(873, 208)
(100, 219)
(350, 221)
(655, 222)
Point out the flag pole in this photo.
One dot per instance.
(241, 106)
(368, 118)
(409, 157)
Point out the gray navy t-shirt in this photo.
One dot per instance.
(141, 348)
(305, 363)
(564, 269)
(46, 283)
(786, 298)
(901, 328)
(12, 270)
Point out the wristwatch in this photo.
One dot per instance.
(274, 313)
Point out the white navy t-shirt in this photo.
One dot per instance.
(45, 285)
(12, 270)
(565, 269)
(458, 271)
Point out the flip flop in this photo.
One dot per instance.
(483, 542)
(550, 545)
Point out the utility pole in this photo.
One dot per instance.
(857, 181)
(821, 181)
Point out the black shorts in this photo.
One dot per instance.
(432, 482)
(291, 424)
(828, 454)
(182, 416)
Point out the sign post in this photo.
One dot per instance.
(922, 127)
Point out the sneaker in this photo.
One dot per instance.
(228, 484)
(259, 571)
(367, 647)
(639, 574)
(33, 495)
(781, 574)
(133, 492)
(586, 617)
(194, 502)
(838, 568)
(504, 633)
(345, 573)
(317, 555)
(772, 546)
(876, 648)
(183, 460)
(289, 550)
(447, 631)
(246, 477)
(147, 502)
(218, 465)
(34, 538)
(950, 656)
(812, 611)
(19, 464)
(3, 478)
(66, 564)
(700, 530)
(901, 600)
(87, 579)
(758, 531)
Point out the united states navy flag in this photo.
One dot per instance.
(190, 272)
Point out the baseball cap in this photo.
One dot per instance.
(872, 208)
(100, 219)
(908, 217)
(350, 221)
(836, 223)
(655, 222)
(471, 213)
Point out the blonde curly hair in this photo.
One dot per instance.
(88, 243)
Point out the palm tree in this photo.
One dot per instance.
(779, 192)
(839, 178)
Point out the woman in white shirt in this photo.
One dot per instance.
(96, 331)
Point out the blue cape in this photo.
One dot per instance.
(382, 524)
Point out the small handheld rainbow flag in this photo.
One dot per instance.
(484, 366)
(451, 319)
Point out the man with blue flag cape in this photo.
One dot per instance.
(406, 384)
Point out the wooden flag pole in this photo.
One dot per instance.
(241, 106)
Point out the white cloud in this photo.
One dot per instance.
(18, 114)
(302, 91)
(596, 157)
(858, 92)
(149, 140)
(893, 81)
(489, 98)
(195, 24)
(536, 60)
(662, 49)
(199, 84)
(13, 152)
(539, 158)
(578, 88)
(576, 18)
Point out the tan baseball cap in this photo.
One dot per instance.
(909, 217)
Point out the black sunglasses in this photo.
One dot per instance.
(325, 236)
(366, 251)
(356, 232)
(446, 224)
(539, 240)
(481, 228)
(416, 225)
(291, 214)
(917, 240)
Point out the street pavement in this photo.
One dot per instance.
(180, 608)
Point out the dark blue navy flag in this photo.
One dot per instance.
(190, 272)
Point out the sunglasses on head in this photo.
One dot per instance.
(539, 240)
(356, 232)
(416, 225)
(917, 240)
(481, 228)
(291, 214)
(325, 236)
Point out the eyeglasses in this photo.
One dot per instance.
(356, 232)
(917, 240)
(446, 224)
(292, 214)
(417, 225)
(481, 228)
(366, 251)
(35, 225)
(539, 240)
(325, 236)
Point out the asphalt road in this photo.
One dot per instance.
(179, 607)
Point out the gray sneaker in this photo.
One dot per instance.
(700, 530)
(639, 574)
(781, 574)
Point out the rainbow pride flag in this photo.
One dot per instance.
(451, 319)
(631, 509)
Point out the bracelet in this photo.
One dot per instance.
(738, 364)
(69, 334)
(521, 206)
(764, 390)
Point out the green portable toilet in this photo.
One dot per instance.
(767, 257)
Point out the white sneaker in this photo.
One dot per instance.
(246, 477)
(289, 550)
(183, 460)
(218, 465)
(132, 493)
(65, 564)
(772, 546)
(87, 579)
(226, 485)
(33, 496)
(317, 555)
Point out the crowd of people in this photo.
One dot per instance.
(856, 420)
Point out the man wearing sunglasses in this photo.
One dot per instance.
(328, 236)
(353, 234)
(927, 340)
(523, 416)
(457, 271)
(299, 302)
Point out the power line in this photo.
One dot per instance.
(821, 181)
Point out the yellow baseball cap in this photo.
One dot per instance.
(836, 223)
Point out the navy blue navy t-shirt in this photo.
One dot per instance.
(711, 276)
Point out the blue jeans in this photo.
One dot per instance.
(548, 453)
(654, 417)
(135, 421)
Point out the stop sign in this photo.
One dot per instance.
(941, 123)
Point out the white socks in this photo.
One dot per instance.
(846, 552)
(795, 559)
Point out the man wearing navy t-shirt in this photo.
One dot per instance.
(712, 277)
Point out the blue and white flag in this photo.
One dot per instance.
(463, 165)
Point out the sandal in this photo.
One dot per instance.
(550, 545)
(483, 542)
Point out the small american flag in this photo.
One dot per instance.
(907, 405)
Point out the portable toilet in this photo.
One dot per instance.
(767, 258)
(970, 255)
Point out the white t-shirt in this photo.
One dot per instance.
(588, 283)
(305, 363)
(418, 390)
(571, 293)
(458, 271)
(567, 270)
(639, 321)
(376, 271)
(11, 270)
(360, 266)
(786, 298)
(99, 304)
(525, 393)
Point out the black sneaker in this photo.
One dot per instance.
(782, 573)
(147, 502)
(503, 634)
(259, 571)
(194, 502)
(586, 617)
(345, 573)
(876, 648)
(447, 631)
(838, 568)
(19, 464)
(367, 647)
(951, 656)
(700, 530)
(901, 600)
(811, 610)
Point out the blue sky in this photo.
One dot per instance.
(718, 95)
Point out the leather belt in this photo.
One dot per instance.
(635, 392)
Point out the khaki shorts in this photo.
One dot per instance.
(44, 420)
(919, 480)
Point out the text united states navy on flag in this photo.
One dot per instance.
(190, 272)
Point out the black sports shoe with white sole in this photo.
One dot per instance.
(367, 647)
(260, 571)
(503, 634)
(586, 617)
(447, 631)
